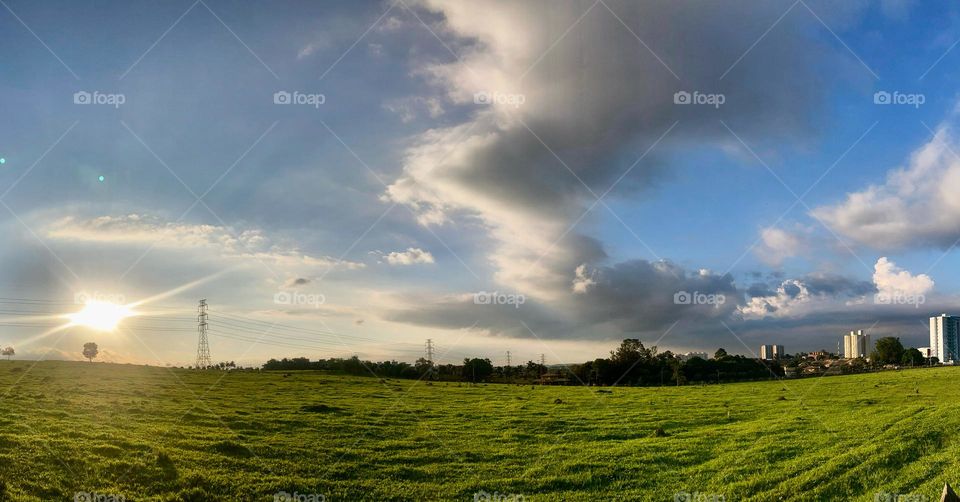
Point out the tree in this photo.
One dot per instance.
(8, 352)
(476, 369)
(423, 367)
(913, 357)
(630, 351)
(90, 351)
(888, 350)
(720, 354)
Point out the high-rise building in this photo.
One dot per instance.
(856, 344)
(771, 352)
(944, 335)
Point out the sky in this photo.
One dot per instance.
(341, 178)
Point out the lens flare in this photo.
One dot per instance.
(99, 315)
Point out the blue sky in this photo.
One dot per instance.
(404, 195)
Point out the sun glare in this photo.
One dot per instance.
(99, 315)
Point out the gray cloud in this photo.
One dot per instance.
(590, 102)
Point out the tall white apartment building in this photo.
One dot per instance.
(856, 344)
(944, 335)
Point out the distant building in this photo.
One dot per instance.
(856, 344)
(771, 352)
(690, 355)
(818, 354)
(944, 334)
(926, 351)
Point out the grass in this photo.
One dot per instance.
(151, 433)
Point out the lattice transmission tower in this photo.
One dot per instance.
(203, 345)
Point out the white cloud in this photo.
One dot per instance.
(894, 281)
(777, 244)
(820, 293)
(789, 299)
(583, 281)
(411, 256)
(917, 206)
(226, 242)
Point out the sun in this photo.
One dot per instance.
(100, 315)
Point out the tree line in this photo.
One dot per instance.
(631, 364)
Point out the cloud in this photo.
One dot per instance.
(636, 296)
(916, 207)
(818, 294)
(811, 294)
(411, 256)
(776, 245)
(226, 242)
(894, 281)
(560, 118)
(582, 281)
(639, 295)
(307, 50)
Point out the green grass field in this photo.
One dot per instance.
(158, 434)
